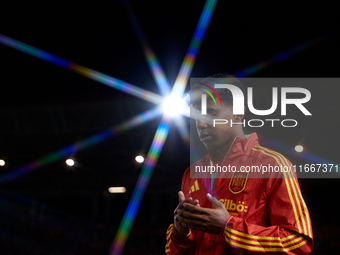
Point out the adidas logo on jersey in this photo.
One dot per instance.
(194, 187)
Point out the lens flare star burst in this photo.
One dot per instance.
(170, 104)
(87, 72)
(176, 94)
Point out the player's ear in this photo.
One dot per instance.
(237, 118)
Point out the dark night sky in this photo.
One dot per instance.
(46, 108)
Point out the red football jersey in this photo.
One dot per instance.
(267, 215)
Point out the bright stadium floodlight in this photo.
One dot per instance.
(2, 162)
(298, 148)
(117, 189)
(139, 159)
(174, 105)
(70, 162)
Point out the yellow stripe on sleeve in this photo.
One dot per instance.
(297, 193)
(170, 228)
(256, 248)
(231, 236)
(271, 238)
(168, 237)
(306, 212)
(168, 244)
(287, 186)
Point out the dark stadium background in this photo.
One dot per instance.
(62, 210)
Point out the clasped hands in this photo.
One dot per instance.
(189, 215)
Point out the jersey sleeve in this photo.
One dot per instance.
(175, 243)
(290, 229)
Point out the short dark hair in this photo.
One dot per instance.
(220, 78)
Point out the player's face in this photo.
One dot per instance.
(219, 135)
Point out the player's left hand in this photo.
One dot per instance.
(204, 219)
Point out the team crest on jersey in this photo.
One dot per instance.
(238, 182)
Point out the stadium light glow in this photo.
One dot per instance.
(117, 189)
(83, 144)
(2, 162)
(174, 105)
(139, 159)
(298, 148)
(69, 162)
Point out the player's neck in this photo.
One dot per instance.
(218, 153)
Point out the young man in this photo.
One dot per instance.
(238, 212)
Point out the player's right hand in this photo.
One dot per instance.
(181, 198)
